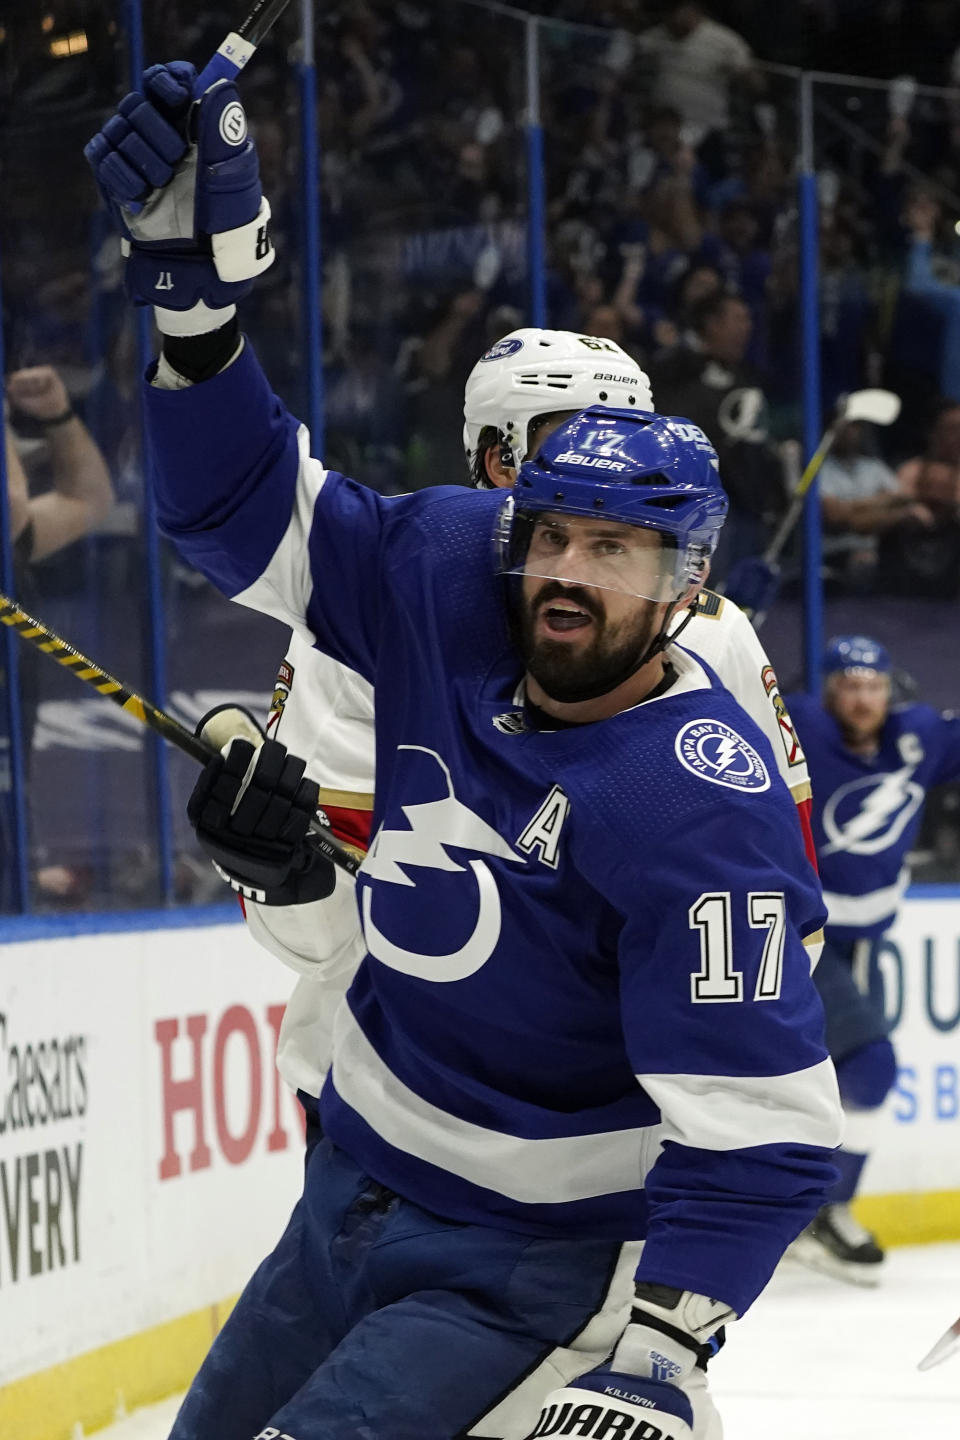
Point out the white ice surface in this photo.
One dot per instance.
(813, 1358)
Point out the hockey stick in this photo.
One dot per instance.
(239, 45)
(879, 407)
(946, 1345)
(35, 633)
(753, 584)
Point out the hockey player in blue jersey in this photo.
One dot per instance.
(871, 764)
(579, 1102)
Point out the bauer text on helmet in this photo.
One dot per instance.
(629, 471)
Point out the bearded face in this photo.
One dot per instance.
(584, 619)
(860, 702)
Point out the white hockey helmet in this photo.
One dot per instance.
(534, 372)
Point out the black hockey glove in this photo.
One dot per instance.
(251, 809)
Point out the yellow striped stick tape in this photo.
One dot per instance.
(35, 633)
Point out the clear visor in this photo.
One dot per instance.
(593, 552)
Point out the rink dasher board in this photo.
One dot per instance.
(149, 1155)
(911, 1185)
(149, 1158)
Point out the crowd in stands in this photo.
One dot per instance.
(671, 214)
(672, 230)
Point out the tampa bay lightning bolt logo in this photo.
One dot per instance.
(713, 751)
(433, 827)
(867, 816)
(502, 349)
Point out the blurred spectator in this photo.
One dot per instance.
(695, 60)
(927, 562)
(743, 263)
(662, 151)
(445, 359)
(364, 415)
(656, 261)
(860, 500)
(708, 379)
(445, 342)
(943, 447)
(698, 283)
(606, 321)
(81, 493)
(763, 182)
(922, 558)
(933, 274)
(845, 313)
(737, 254)
(43, 524)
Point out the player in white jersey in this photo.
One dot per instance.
(325, 713)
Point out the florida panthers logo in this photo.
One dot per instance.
(788, 734)
(281, 694)
(435, 827)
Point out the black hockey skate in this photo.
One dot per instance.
(837, 1244)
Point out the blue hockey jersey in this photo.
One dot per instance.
(586, 1006)
(866, 812)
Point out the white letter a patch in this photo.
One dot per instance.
(545, 827)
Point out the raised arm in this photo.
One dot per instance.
(82, 493)
(237, 490)
(18, 497)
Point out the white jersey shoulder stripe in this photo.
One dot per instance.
(284, 588)
(866, 909)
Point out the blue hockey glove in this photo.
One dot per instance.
(753, 585)
(654, 1385)
(182, 182)
(251, 809)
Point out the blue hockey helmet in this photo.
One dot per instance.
(855, 652)
(620, 468)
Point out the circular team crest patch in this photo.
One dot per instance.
(713, 751)
(233, 124)
(502, 349)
